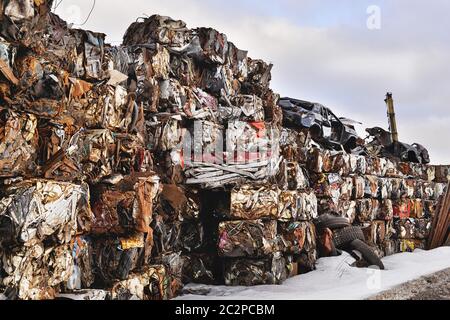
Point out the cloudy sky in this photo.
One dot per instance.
(323, 51)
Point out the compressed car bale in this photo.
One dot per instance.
(385, 188)
(376, 232)
(442, 174)
(187, 236)
(18, 143)
(391, 171)
(83, 275)
(396, 191)
(371, 186)
(294, 236)
(174, 264)
(177, 204)
(295, 144)
(408, 187)
(429, 208)
(292, 176)
(89, 109)
(419, 191)
(417, 208)
(390, 247)
(288, 203)
(409, 245)
(347, 209)
(439, 190)
(250, 272)
(429, 190)
(296, 177)
(115, 257)
(251, 106)
(91, 153)
(35, 272)
(253, 203)
(295, 206)
(347, 188)
(249, 238)
(125, 206)
(408, 229)
(306, 261)
(318, 161)
(366, 210)
(359, 187)
(402, 208)
(152, 283)
(422, 228)
(245, 203)
(340, 163)
(39, 210)
(374, 166)
(200, 268)
(307, 206)
(385, 210)
(327, 186)
(100, 153)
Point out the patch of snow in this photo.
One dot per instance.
(335, 279)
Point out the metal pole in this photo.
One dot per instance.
(391, 116)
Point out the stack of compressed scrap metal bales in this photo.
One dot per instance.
(128, 171)
(77, 186)
(418, 204)
(393, 202)
(106, 152)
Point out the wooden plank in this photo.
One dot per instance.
(447, 242)
(445, 221)
(440, 222)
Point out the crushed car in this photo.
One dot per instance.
(325, 127)
(381, 144)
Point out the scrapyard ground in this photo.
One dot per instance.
(336, 279)
(433, 287)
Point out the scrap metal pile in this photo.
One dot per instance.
(129, 171)
(393, 202)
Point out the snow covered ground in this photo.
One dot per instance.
(335, 279)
